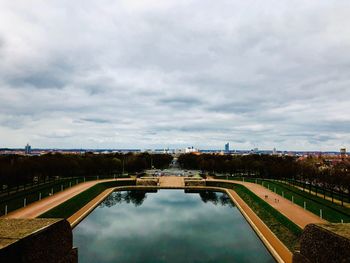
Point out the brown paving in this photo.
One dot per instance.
(171, 181)
(292, 211)
(37, 208)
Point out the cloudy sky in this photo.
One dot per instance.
(147, 74)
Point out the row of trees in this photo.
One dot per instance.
(257, 165)
(311, 170)
(16, 169)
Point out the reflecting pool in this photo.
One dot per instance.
(167, 226)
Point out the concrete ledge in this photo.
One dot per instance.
(193, 181)
(150, 181)
(36, 240)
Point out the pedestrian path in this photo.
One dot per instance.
(37, 208)
(292, 211)
(171, 181)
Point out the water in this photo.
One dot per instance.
(167, 226)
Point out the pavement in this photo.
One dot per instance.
(293, 212)
(37, 208)
(171, 181)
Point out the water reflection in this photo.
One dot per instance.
(137, 197)
(134, 197)
(167, 226)
(215, 198)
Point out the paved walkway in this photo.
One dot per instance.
(292, 211)
(171, 181)
(37, 208)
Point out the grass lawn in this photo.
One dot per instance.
(321, 192)
(72, 205)
(282, 227)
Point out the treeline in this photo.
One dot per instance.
(257, 165)
(17, 169)
(310, 170)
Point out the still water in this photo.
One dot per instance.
(167, 226)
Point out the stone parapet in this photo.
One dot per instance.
(36, 240)
(194, 181)
(324, 243)
(147, 181)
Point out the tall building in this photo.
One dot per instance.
(227, 147)
(343, 152)
(27, 149)
(274, 151)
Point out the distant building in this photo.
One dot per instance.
(27, 149)
(343, 152)
(274, 151)
(190, 150)
(227, 147)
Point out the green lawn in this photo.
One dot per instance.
(321, 191)
(282, 227)
(332, 212)
(72, 205)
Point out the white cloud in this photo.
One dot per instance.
(117, 74)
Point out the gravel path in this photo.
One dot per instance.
(171, 181)
(37, 208)
(292, 211)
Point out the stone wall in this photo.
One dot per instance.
(151, 181)
(324, 244)
(194, 182)
(36, 240)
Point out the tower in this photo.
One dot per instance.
(27, 149)
(227, 147)
(343, 152)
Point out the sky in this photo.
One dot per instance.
(158, 74)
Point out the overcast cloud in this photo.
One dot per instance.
(146, 74)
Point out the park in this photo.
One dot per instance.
(280, 214)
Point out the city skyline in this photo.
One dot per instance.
(130, 74)
(29, 150)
